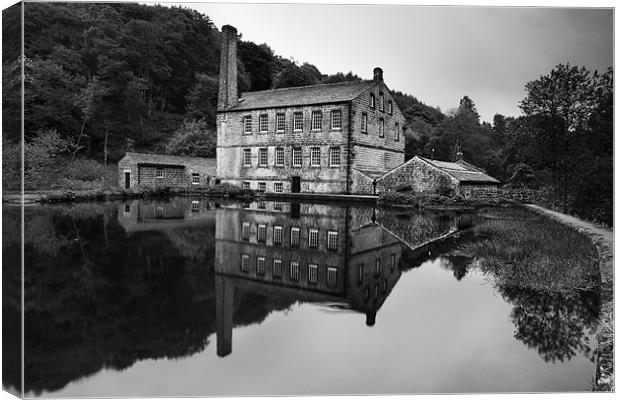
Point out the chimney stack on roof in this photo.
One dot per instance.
(227, 94)
(377, 74)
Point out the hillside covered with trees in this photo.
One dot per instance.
(103, 79)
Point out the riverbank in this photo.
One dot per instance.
(603, 240)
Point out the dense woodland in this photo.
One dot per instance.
(102, 79)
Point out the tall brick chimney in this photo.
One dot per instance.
(377, 74)
(227, 93)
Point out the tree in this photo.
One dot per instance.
(193, 138)
(202, 99)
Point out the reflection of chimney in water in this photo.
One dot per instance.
(224, 307)
(370, 318)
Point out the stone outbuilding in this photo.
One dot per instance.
(424, 175)
(161, 170)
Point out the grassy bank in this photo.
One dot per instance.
(422, 200)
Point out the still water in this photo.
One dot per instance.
(202, 297)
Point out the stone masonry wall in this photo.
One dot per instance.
(173, 177)
(360, 183)
(420, 176)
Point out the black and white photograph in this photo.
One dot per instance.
(229, 199)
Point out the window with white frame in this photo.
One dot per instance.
(336, 120)
(390, 107)
(245, 263)
(334, 156)
(372, 100)
(277, 235)
(317, 118)
(280, 122)
(245, 185)
(364, 123)
(315, 156)
(277, 269)
(377, 266)
(294, 270)
(313, 273)
(332, 240)
(159, 172)
(313, 238)
(261, 233)
(262, 157)
(381, 102)
(195, 205)
(263, 123)
(396, 132)
(260, 265)
(278, 205)
(294, 237)
(195, 178)
(261, 205)
(245, 231)
(332, 276)
(298, 121)
(381, 127)
(247, 157)
(247, 124)
(159, 212)
(262, 186)
(296, 156)
(278, 187)
(279, 156)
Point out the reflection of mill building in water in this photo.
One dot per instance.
(310, 253)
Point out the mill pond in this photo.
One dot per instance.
(189, 297)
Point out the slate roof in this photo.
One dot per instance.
(165, 159)
(304, 95)
(462, 171)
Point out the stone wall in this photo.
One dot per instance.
(419, 176)
(482, 191)
(360, 183)
(172, 176)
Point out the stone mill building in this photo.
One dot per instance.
(331, 138)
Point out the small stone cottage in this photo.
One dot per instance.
(160, 170)
(437, 177)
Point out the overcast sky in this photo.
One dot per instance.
(438, 54)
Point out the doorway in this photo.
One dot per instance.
(127, 180)
(295, 184)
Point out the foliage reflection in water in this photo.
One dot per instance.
(111, 286)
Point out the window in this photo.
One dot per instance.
(392, 262)
(247, 157)
(261, 233)
(262, 186)
(376, 290)
(277, 235)
(280, 122)
(278, 205)
(313, 273)
(127, 208)
(313, 238)
(332, 276)
(315, 156)
(195, 178)
(195, 205)
(159, 212)
(372, 100)
(247, 124)
(160, 173)
(336, 119)
(278, 187)
(279, 156)
(261, 205)
(296, 156)
(263, 124)
(294, 237)
(396, 132)
(381, 127)
(260, 265)
(245, 263)
(262, 157)
(298, 121)
(390, 107)
(294, 271)
(334, 156)
(245, 185)
(245, 231)
(317, 118)
(277, 269)
(366, 294)
(385, 286)
(381, 101)
(364, 123)
(332, 240)
(360, 274)
(377, 266)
